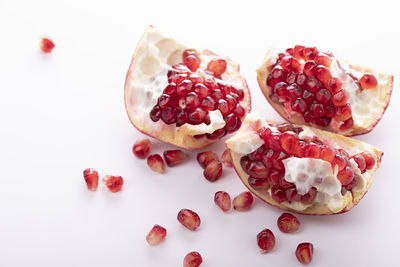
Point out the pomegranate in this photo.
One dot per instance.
(174, 157)
(223, 200)
(213, 171)
(113, 183)
(304, 253)
(266, 241)
(189, 219)
(156, 163)
(307, 170)
(156, 235)
(243, 201)
(308, 86)
(288, 223)
(186, 97)
(141, 148)
(46, 45)
(91, 177)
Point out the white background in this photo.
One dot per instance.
(64, 112)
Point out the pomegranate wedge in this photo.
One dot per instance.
(307, 170)
(183, 96)
(307, 86)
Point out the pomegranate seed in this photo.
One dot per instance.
(324, 60)
(343, 112)
(278, 194)
(196, 116)
(226, 158)
(322, 73)
(243, 201)
(304, 253)
(46, 45)
(298, 51)
(334, 85)
(192, 101)
(359, 159)
(113, 183)
(245, 163)
(213, 170)
(327, 154)
(308, 97)
(91, 177)
(155, 113)
(310, 53)
(169, 115)
(217, 66)
(192, 259)
(329, 111)
(266, 241)
(156, 163)
(369, 160)
(281, 89)
(174, 157)
(258, 184)
(317, 109)
(323, 96)
(312, 151)
(274, 141)
(201, 90)
(206, 157)
(239, 111)
(288, 223)
(192, 62)
(368, 81)
(184, 87)
(258, 170)
(347, 124)
(346, 175)
(340, 161)
(208, 104)
(142, 148)
(222, 200)
(223, 107)
(189, 219)
(290, 142)
(156, 235)
(340, 98)
(299, 105)
(230, 123)
(292, 195)
(309, 197)
(312, 84)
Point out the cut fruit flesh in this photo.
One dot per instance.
(158, 61)
(304, 86)
(320, 166)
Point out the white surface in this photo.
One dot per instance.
(63, 112)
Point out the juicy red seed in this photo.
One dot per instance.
(310, 53)
(223, 200)
(274, 177)
(245, 163)
(347, 124)
(322, 121)
(274, 141)
(277, 73)
(304, 253)
(196, 78)
(359, 159)
(223, 107)
(113, 183)
(292, 195)
(352, 184)
(182, 118)
(308, 97)
(369, 160)
(213, 171)
(298, 51)
(243, 201)
(184, 87)
(312, 151)
(174, 157)
(156, 163)
(323, 96)
(189, 219)
(217, 94)
(308, 117)
(208, 104)
(46, 45)
(278, 194)
(196, 116)
(91, 177)
(277, 160)
(299, 105)
(301, 78)
(258, 170)
(217, 66)
(155, 113)
(309, 197)
(343, 112)
(290, 51)
(340, 161)
(192, 62)
(312, 84)
(201, 90)
(192, 101)
(258, 184)
(368, 81)
(226, 158)
(346, 175)
(317, 109)
(231, 102)
(239, 111)
(340, 98)
(142, 148)
(334, 85)
(210, 82)
(290, 142)
(329, 111)
(291, 77)
(288, 223)
(327, 154)
(324, 60)
(164, 101)
(192, 259)
(217, 134)
(170, 89)
(322, 73)
(294, 91)
(266, 241)
(206, 157)
(281, 89)
(169, 115)
(156, 235)
(240, 93)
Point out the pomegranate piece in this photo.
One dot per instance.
(156, 235)
(174, 157)
(91, 177)
(46, 45)
(226, 158)
(243, 201)
(192, 259)
(223, 200)
(113, 183)
(304, 253)
(141, 148)
(213, 171)
(206, 157)
(368, 81)
(266, 241)
(189, 219)
(156, 163)
(288, 223)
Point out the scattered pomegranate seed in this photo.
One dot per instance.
(141, 148)
(369, 160)
(156, 163)
(156, 235)
(46, 45)
(243, 201)
(113, 183)
(189, 219)
(192, 259)
(226, 158)
(368, 81)
(91, 177)
(206, 157)
(304, 253)
(288, 223)
(217, 66)
(266, 241)
(223, 200)
(360, 160)
(213, 171)
(174, 157)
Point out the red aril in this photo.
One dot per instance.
(189, 219)
(368, 81)
(113, 183)
(141, 148)
(174, 157)
(223, 200)
(243, 201)
(156, 235)
(156, 163)
(288, 223)
(266, 241)
(192, 259)
(304, 253)
(213, 170)
(217, 66)
(206, 157)
(46, 45)
(91, 177)
(226, 158)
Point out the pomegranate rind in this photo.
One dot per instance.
(180, 136)
(381, 95)
(253, 123)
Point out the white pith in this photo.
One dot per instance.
(246, 140)
(154, 56)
